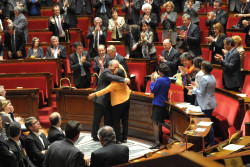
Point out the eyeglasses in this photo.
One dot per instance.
(35, 122)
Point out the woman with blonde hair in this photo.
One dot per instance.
(237, 40)
(216, 41)
(168, 22)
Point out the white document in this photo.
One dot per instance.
(200, 130)
(202, 123)
(233, 147)
(242, 95)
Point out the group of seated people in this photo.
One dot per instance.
(57, 148)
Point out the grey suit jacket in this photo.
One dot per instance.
(193, 12)
(205, 94)
(62, 55)
(40, 53)
(235, 4)
(71, 11)
(168, 25)
(21, 23)
(231, 69)
(12, 5)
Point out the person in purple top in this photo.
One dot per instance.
(159, 87)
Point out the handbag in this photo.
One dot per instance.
(179, 80)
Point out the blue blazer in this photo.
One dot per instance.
(160, 90)
(205, 94)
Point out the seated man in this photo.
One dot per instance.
(7, 157)
(63, 153)
(15, 146)
(55, 131)
(14, 42)
(36, 143)
(55, 51)
(111, 153)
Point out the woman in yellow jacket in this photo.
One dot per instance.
(119, 93)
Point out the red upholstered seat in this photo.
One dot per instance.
(147, 90)
(202, 23)
(38, 24)
(225, 113)
(43, 36)
(47, 13)
(109, 38)
(159, 32)
(206, 54)
(218, 76)
(83, 23)
(204, 34)
(232, 21)
(31, 68)
(121, 50)
(247, 61)
(159, 49)
(177, 93)
(139, 70)
(246, 86)
(245, 120)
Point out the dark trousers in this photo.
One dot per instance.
(210, 136)
(105, 19)
(121, 112)
(84, 82)
(99, 112)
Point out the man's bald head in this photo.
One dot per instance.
(55, 119)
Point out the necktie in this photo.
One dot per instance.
(103, 9)
(186, 31)
(55, 52)
(96, 38)
(13, 44)
(59, 25)
(83, 73)
(167, 52)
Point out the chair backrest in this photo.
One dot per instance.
(246, 86)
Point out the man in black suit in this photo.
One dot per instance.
(97, 35)
(217, 16)
(59, 25)
(231, 66)
(83, 7)
(68, 8)
(14, 43)
(103, 10)
(16, 147)
(170, 56)
(113, 55)
(63, 153)
(55, 132)
(132, 9)
(130, 37)
(101, 61)
(103, 104)
(110, 154)
(7, 157)
(36, 143)
(55, 51)
(80, 63)
(191, 35)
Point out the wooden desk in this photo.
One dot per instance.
(176, 147)
(25, 101)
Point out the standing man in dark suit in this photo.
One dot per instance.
(103, 104)
(191, 35)
(101, 61)
(218, 15)
(59, 25)
(63, 153)
(16, 147)
(80, 63)
(97, 35)
(111, 153)
(68, 8)
(170, 56)
(36, 143)
(14, 43)
(55, 132)
(20, 22)
(132, 9)
(231, 66)
(12, 4)
(55, 51)
(83, 7)
(113, 55)
(103, 10)
(130, 38)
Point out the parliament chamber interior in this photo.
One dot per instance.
(38, 87)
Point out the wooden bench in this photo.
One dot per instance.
(25, 101)
(43, 81)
